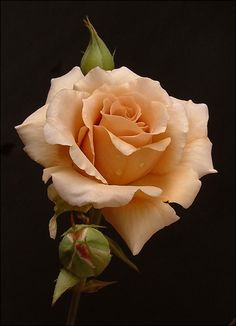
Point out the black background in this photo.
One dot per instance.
(187, 269)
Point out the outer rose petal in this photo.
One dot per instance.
(78, 190)
(151, 89)
(179, 186)
(197, 155)
(198, 116)
(31, 134)
(64, 118)
(137, 221)
(177, 130)
(64, 82)
(64, 121)
(97, 77)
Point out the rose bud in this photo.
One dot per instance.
(97, 53)
(84, 251)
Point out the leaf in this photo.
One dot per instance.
(94, 285)
(65, 281)
(116, 250)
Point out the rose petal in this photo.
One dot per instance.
(119, 168)
(122, 75)
(82, 133)
(78, 190)
(197, 155)
(137, 221)
(125, 106)
(87, 149)
(198, 116)
(31, 134)
(96, 77)
(91, 116)
(128, 149)
(179, 186)
(159, 146)
(119, 126)
(64, 82)
(64, 118)
(177, 131)
(151, 89)
(81, 160)
(123, 147)
(153, 113)
(139, 140)
(156, 117)
(64, 121)
(47, 173)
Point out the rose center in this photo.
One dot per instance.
(123, 106)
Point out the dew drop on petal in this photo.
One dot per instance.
(119, 172)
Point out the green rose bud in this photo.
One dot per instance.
(97, 53)
(84, 251)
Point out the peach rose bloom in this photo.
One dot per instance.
(118, 141)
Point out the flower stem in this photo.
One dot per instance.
(97, 216)
(75, 302)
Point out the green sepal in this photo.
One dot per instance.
(97, 53)
(117, 251)
(94, 285)
(64, 282)
(60, 207)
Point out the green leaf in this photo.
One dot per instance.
(116, 250)
(94, 285)
(65, 281)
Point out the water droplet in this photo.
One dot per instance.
(119, 172)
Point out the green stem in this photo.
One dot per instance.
(97, 216)
(75, 302)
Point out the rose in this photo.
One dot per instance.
(118, 141)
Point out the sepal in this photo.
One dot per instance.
(64, 282)
(117, 251)
(94, 285)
